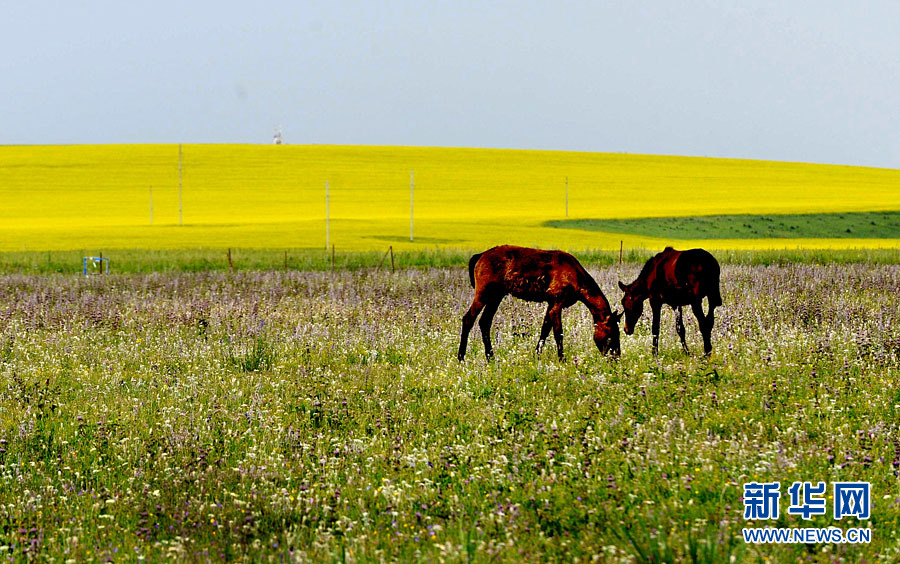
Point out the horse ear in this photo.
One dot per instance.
(622, 286)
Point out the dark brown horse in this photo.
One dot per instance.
(675, 278)
(534, 275)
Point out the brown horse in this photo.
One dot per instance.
(534, 275)
(675, 278)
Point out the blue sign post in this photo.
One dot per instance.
(94, 262)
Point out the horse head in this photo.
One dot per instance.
(606, 334)
(633, 305)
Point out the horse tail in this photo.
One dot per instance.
(715, 297)
(472, 262)
(714, 294)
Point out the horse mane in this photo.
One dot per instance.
(648, 268)
(651, 264)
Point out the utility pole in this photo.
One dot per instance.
(180, 217)
(327, 215)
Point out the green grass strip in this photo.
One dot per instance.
(856, 225)
(138, 261)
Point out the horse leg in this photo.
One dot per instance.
(707, 339)
(468, 321)
(705, 323)
(654, 308)
(545, 330)
(487, 318)
(679, 328)
(555, 313)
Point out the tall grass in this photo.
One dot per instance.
(268, 416)
(216, 260)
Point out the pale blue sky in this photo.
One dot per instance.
(806, 81)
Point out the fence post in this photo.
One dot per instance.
(621, 248)
(230, 264)
(391, 250)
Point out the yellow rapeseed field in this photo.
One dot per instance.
(83, 197)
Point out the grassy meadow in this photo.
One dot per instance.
(311, 416)
(97, 198)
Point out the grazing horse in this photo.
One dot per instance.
(534, 275)
(675, 278)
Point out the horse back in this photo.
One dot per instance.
(679, 276)
(530, 274)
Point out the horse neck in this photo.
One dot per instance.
(597, 304)
(640, 288)
(641, 291)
